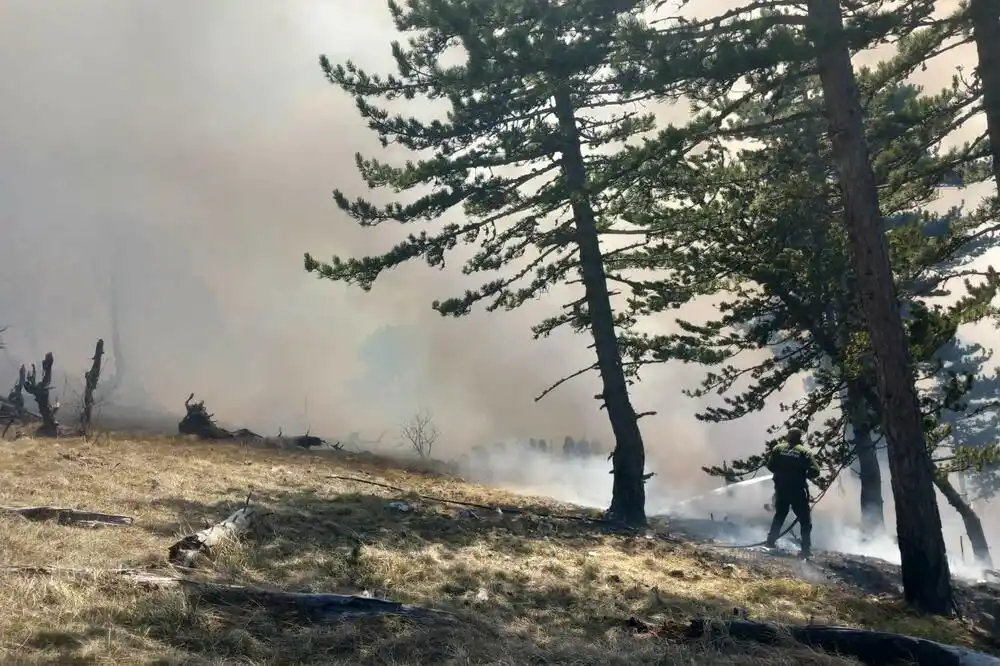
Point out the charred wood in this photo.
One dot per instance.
(65, 516)
(874, 648)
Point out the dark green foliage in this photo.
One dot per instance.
(494, 159)
(968, 425)
(526, 167)
(766, 234)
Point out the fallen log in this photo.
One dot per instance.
(199, 545)
(874, 648)
(307, 441)
(65, 516)
(311, 606)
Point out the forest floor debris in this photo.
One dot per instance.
(526, 588)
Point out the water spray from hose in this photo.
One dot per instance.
(723, 489)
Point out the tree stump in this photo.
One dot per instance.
(200, 423)
(91, 377)
(39, 390)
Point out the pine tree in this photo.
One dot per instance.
(926, 576)
(772, 237)
(770, 49)
(524, 158)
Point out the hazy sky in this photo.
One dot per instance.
(185, 151)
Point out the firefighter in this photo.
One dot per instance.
(793, 466)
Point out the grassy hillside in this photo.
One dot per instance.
(525, 590)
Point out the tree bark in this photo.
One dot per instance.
(872, 514)
(926, 578)
(973, 526)
(628, 495)
(985, 15)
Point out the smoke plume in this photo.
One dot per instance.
(175, 160)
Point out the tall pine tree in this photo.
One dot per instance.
(769, 46)
(524, 156)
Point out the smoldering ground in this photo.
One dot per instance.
(179, 157)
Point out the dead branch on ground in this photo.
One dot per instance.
(420, 433)
(246, 435)
(90, 378)
(65, 516)
(314, 606)
(39, 390)
(307, 441)
(194, 547)
(867, 646)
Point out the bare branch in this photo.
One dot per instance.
(564, 380)
(420, 433)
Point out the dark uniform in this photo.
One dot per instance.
(792, 466)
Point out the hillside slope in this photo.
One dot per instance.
(524, 589)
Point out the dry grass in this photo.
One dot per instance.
(526, 590)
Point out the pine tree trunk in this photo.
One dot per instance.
(628, 496)
(973, 526)
(872, 515)
(985, 16)
(926, 578)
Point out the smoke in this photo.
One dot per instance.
(182, 159)
(167, 164)
(175, 162)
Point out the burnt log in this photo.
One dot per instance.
(309, 606)
(195, 547)
(198, 422)
(65, 516)
(873, 648)
(90, 378)
(39, 390)
(313, 606)
(307, 441)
